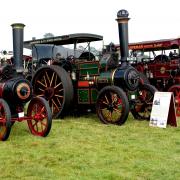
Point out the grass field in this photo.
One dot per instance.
(83, 148)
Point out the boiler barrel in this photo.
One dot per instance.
(16, 90)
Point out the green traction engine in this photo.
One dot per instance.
(110, 86)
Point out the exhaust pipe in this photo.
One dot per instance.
(122, 19)
(18, 33)
(125, 76)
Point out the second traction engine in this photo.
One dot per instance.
(15, 91)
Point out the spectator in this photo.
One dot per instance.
(171, 54)
(175, 53)
(58, 56)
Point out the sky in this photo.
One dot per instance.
(150, 19)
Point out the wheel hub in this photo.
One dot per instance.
(49, 92)
(110, 107)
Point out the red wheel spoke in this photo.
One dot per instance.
(44, 124)
(48, 77)
(60, 90)
(55, 105)
(42, 110)
(35, 125)
(41, 83)
(45, 81)
(58, 96)
(176, 91)
(40, 95)
(106, 99)
(41, 127)
(41, 89)
(112, 97)
(57, 85)
(59, 102)
(151, 98)
(52, 79)
(103, 102)
(149, 103)
(117, 110)
(35, 109)
(55, 82)
(110, 115)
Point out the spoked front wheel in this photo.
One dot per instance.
(141, 106)
(176, 91)
(41, 115)
(112, 105)
(5, 120)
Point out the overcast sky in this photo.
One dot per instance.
(150, 19)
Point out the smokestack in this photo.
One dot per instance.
(122, 19)
(18, 33)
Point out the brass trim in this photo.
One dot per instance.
(112, 76)
(123, 20)
(18, 26)
(18, 89)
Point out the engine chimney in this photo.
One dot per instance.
(122, 19)
(18, 33)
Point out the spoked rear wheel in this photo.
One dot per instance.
(141, 107)
(41, 115)
(112, 105)
(54, 84)
(5, 120)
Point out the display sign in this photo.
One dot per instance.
(163, 110)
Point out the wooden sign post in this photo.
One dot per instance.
(163, 110)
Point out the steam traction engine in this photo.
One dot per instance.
(109, 84)
(15, 91)
(159, 67)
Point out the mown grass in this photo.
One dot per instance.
(83, 148)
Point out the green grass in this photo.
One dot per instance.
(83, 148)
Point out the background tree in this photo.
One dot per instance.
(48, 35)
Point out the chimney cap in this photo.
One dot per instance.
(122, 13)
(17, 25)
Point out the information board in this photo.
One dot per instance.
(163, 110)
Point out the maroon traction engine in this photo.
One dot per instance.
(15, 91)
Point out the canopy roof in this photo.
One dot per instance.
(155, 45)
(65, 39)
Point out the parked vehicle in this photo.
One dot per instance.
(16, 91)
(108, 85)
(159, 64)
